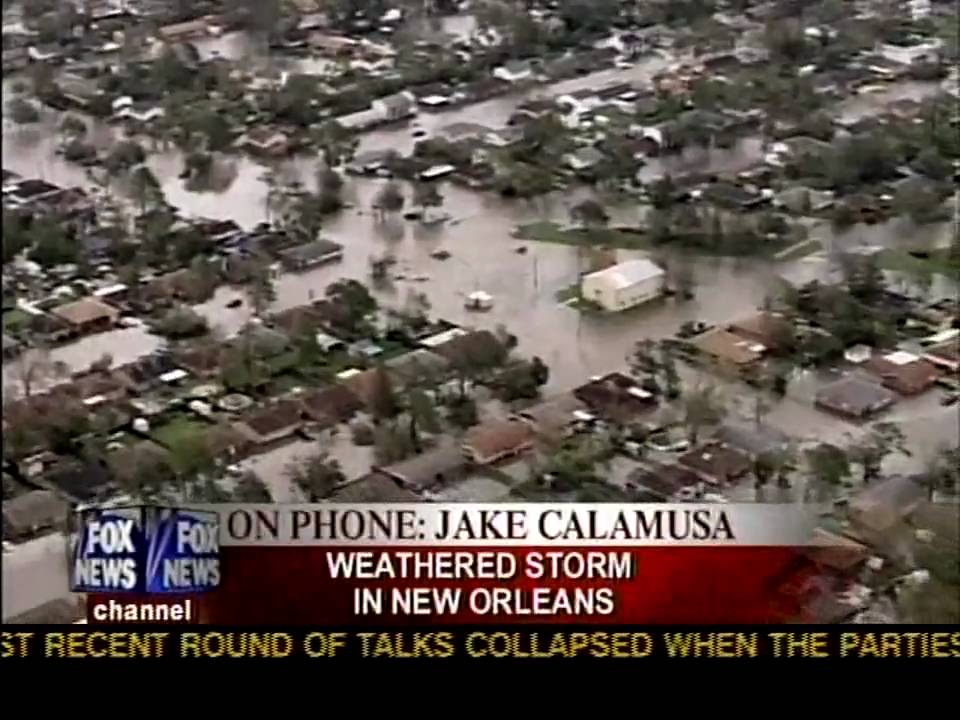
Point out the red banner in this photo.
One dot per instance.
(295, 585)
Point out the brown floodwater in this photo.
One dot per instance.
(478, 237)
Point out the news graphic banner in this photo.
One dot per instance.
(665, 644)
(438, 565)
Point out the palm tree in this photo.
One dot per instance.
(703, 406)
(145, 187)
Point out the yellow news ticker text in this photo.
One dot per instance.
(479, 644)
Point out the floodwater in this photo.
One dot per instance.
(866, 104)
(478, 238)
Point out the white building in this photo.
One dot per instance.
(928, 51)
(624, 285)
(514, 71)
(919, 9)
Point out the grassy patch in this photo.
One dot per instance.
(283, 362)
(15, 321)
(179, 432)
(568, 294)
(937, 262)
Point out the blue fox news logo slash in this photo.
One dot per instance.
(146, 550)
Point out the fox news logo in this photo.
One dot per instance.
(146, 550)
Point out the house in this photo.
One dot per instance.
(311, 254)
(624, 285)
(398, 106)
(884, 505)
(554, 416)
(189, 30)
(916, 50)
(732, 197)
(265, 141)
(146, 372)
(770, 329)
(463, 130)
(127, 462)
(202, 362)
(300, 319)
(496, 440)
(417, 365)
(755, 440)
(331, 405)
(16, 57)
(514, 71)
(716, 463)
(27, 192)
(87, 315)
(583, 159)
(272, 424)
(439, 465)
(373, 488)
(78, 90)
(79, 481)
(800, 200)
(264, 342)
(903, 372)
(462, 348)
(140, 112)
(727, 349)
(836, 553)
(944, 354)
(362, 383)
(33, 513)
(854, 398)
(665, 482)
(615, 397)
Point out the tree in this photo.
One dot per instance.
(670, 376)
(683, 280)
(383, 397)
(785, 41)
(942, 471)
(589, 213)
(316, 477)
(52, 244)
(145, 187)
(702, 407)
(329, 190)
(644, 359)
(663, 192)
(260, 289)
(73, 125)
(917, 201)
(124, 155)
(828, 465)
(180, 323)
(22, 112)
(883, 439)
(389, 199)
(427, 195)
(250, 488)
(423, 415)
(35, 367)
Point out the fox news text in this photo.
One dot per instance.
(429, 565)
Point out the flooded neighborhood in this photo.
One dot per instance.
(487, 252)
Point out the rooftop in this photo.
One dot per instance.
(630, 273)
(85, 310)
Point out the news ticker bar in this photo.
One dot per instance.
(507, 643)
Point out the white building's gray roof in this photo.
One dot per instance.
(629, 273)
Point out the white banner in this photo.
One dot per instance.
(530, 524)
